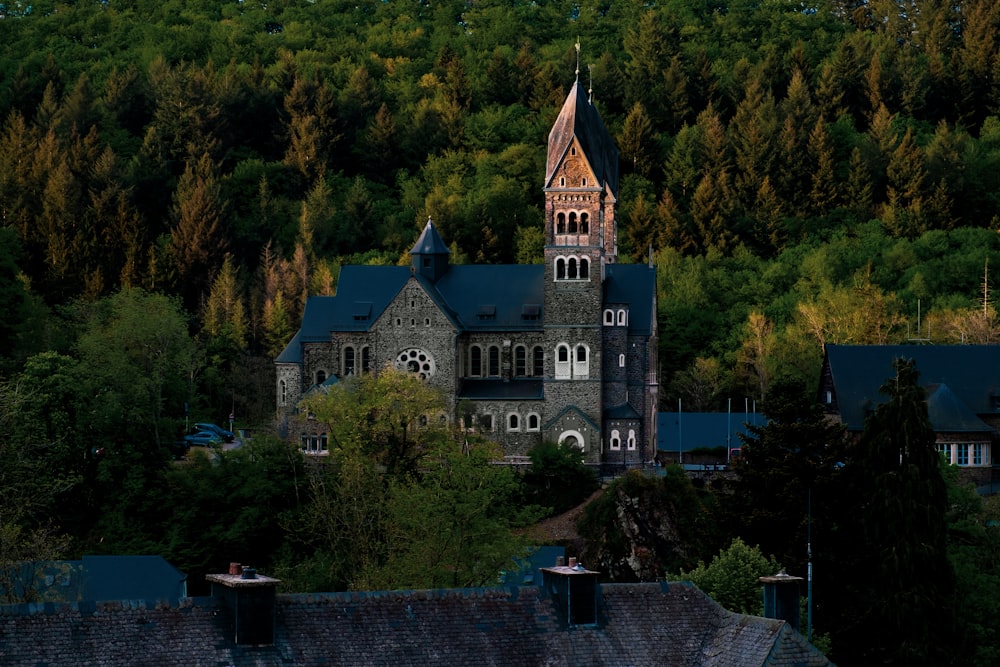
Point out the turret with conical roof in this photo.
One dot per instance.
(430, 254)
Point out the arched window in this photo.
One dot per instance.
(486, 422)
(583, 182)
(572, 223)
(609, 317)
(533, 422)
(520, 361)
(622, 318)
(475, 361)
(320, 377)
(560, 268)
(494, 361)
(562, 181)
(349, 361)
(584, 223)
(621, 361)
(616, 440)
(562, 361)
(366, 359)
(584, 268)
(571, 272)
(561, 223)
(538, 361)
(631, 439)
(282, 393)
(581, 362)
(513, 422)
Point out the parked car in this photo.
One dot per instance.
(227, 436)
(202, 439)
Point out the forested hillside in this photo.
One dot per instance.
(176, 177)
(805, 172)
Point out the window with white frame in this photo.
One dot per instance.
(534, 422)
(513, 422)
(622, 317)
(609, 317)
(977, 453)
(562, 362)
(349, 361)
(944, 449)
(621, 361)
(616, 440)
(631, 439)
(962, 454)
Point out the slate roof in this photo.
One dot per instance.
(638, 624)
(685, 431)
(579, 118)
(485, 297)
(430, 242)
(635, 285)
(970, 372)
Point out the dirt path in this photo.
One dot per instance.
(562, 528)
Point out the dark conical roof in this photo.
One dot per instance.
(579, 119)
(430, 242)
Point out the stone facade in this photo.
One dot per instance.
(564, 352)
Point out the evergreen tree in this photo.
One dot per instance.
(899, 604)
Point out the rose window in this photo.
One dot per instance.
(416, 361)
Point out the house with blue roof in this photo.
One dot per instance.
(564, 351)
(962, 385)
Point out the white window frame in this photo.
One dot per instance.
(631, 440)
(564, 369)
(581, 369)
(615, 443)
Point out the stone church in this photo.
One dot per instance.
(564, 352)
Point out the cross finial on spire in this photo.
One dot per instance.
(577, 58)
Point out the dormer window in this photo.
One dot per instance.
(487, 312)
(530, 311)
(361, 311)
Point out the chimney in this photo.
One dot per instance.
(781, 598)
(248, 601)
(574, 590)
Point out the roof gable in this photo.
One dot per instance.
(854, 373)
(579, 120)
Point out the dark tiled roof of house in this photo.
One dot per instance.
(857, 372)
(638, 624)
(948, 413)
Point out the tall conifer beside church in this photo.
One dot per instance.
(562, 352)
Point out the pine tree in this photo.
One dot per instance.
(196, 240)
(897, 574)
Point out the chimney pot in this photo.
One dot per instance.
(560, 561)
(235, 569)
(572, 561)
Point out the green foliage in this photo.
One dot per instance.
(786, 476)
(558, 478)
(892, 538)
(732, 577)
